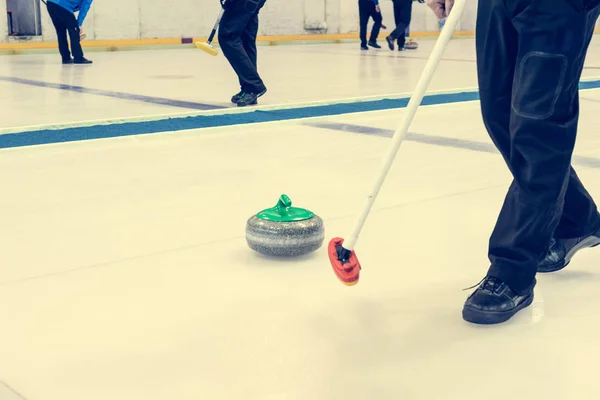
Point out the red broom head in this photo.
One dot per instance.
(344, 262)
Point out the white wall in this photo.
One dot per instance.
(3, 23)
(144, 19)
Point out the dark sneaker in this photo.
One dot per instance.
(374, 45)
(237, 97)
(250, 99)
(561, 251)
(82, 61)
(495, 302)
(363, 47)
(69, 61)
(390, 42)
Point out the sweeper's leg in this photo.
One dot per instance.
(542, 46)
(234, 23)
(249, 41)
(402, 16)
(377, 20)
(69, 22)
(364, 13)
(55, 12)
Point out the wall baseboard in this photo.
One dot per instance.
(17, 47)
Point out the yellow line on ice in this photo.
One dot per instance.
(35, 45)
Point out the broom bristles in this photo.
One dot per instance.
(207, 48)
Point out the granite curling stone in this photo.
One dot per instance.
(285, 231)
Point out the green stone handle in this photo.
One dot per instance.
(284, 202)
(284, 212)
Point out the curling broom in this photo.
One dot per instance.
(341, 252)
(207, 46)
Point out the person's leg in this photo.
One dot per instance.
(377, 19)
(552, 38)
(231, 30)
(496, 44)
(579, 224)
(543, 131)
(75, 39)
(405, 18)
(402, 20)
(364, 14)
(580, 213)
(232, 26)
(399, 29)
(249, 42)
(54, 11)
(70, 22)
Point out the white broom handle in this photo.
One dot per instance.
(214, 30)
(413, 105)
(219, 19)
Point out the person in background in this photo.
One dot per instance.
(369, 9)
(441, 9)
(62, 13)
(237, 37)
(402, 17)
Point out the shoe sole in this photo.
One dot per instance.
(479, 317)
(589, 242)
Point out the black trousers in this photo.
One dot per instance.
(237, 37)
(402, 17)
(64, 22)
(366, 10)
(530, 57)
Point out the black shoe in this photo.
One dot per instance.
(561, 251)
(237, 97)
(401, 48)
(390, 42)
(69, 61)
(82, 61)
(363, 47)
(494, 302)
(374, 45)
(250, 99)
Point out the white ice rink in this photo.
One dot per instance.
(125, 275)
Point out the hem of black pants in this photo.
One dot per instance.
(518, 278)
(592, 228)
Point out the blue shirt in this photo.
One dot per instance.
(83, 6)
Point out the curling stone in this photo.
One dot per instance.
(285, 231)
